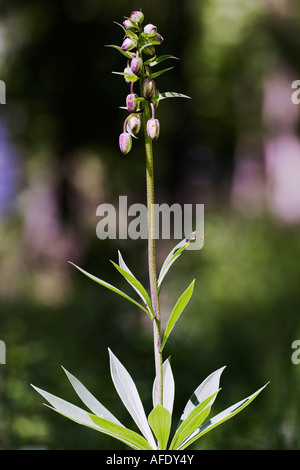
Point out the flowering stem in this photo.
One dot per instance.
(152, 259)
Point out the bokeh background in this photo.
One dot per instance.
(234, 147)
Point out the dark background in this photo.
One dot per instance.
(234, 147)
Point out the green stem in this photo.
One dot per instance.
(152, 259)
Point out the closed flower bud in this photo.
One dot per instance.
(128, 25)
(148, 88)
(128, 44)
(125, 142)
(136, 65)
(127, 71)
(157, 39)
(132, 102)
(134, 123)
(150, 29)
(149, 50)
(153, 128)
(137, 16)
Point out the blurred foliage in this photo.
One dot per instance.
(59, 160)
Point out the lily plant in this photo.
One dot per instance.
(139, 47)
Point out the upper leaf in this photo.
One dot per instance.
(172, 256)
(132, 280)
(177, 311)
(168, 94)
(109, 286)
(157, 60)
(127, 54)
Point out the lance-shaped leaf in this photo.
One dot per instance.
(90, 401)
(109, 286)
(157, 60)
(172, 256)
(219, 419)
(177, 311)
(192, 422)
(118, 48)
(76, 414)
(168, 94)
(129, 395)
(160, 72)
(129, 76)
(138, 287)
(168, 388)
(206, 389)
(160, 422)
(129, 437)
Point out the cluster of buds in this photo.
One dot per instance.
(139, 41)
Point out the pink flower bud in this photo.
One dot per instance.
(132, 102)
(153, 128)
(128, 25)
(125, 142)
(148, 88)
(127, 71)
(137, 16)
(136, 65)
(134, 123)
(150, 29)
(128, 44)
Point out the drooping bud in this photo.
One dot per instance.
(137, 16)
(134, 123)
(128, 25)
(136, 65)
(157, 39)
(128, 44)
(132, 102)
(148, 88)
(153, 128)
(125, 142)
(149, 50)
(127, 71)
(150, 29)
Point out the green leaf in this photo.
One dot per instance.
(109, 286)
(129, 395)
(168, 94)
(157, 60)
(160, 72)
(219, 419)
(168, 388)
(137, 286)
(177, 311)
(172, 256)
(160, 422)
(90, 401)
(76, 414)
(193, 420)
(130, 77)
(206, 389)
(129, 437)
(118, 48)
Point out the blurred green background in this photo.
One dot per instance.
(234, 147)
